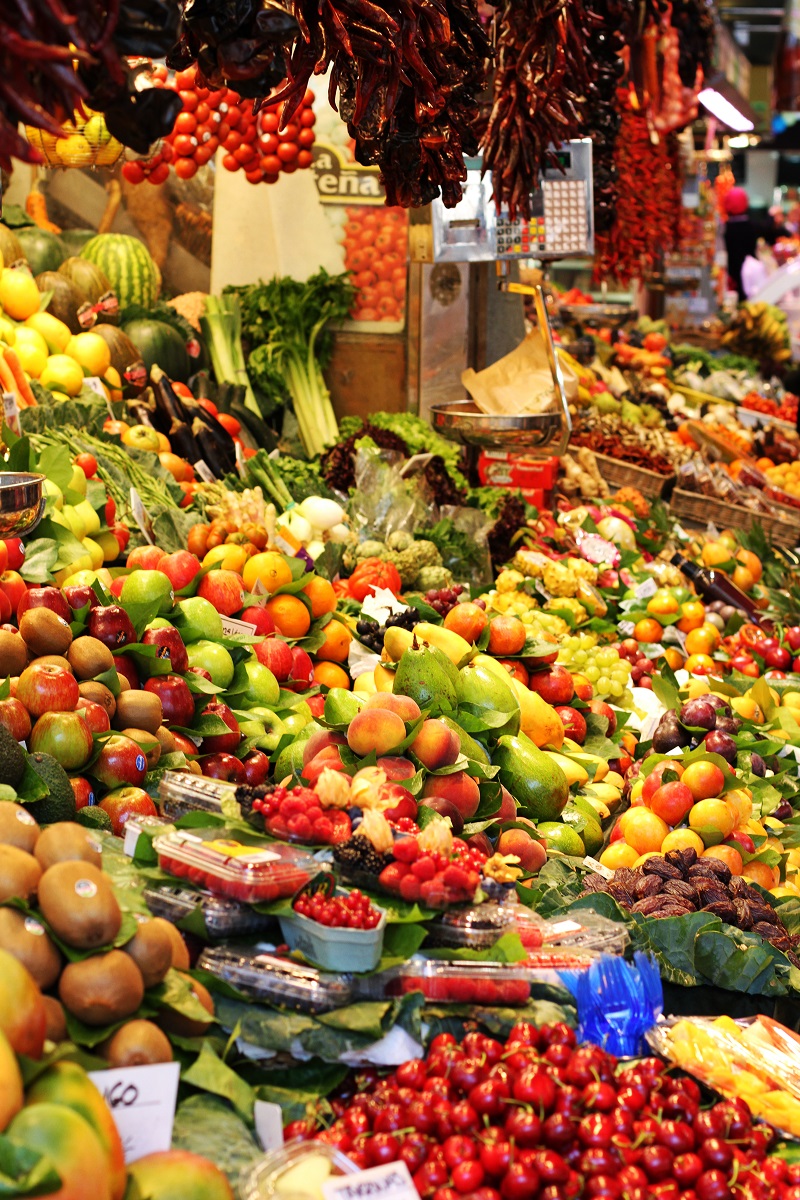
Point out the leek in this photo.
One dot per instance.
(222, 329)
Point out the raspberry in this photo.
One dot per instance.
(410, 888)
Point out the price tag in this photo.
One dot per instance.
(230, 627)
(95, 384)
(626, 628)
(389, 1182)
(599, 869)
(11, 412)
(268, 1119)
(141, 517)
(204, 471)
(241, 464)
(142, 1102)
(647, 589)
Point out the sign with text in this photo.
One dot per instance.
(389, 1182)
(142, 1102)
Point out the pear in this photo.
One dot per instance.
(485, 693)
(427, 676)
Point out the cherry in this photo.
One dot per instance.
(709, 1123)
(602, 1187)
(551, 1167)
(716, 1153)
(677, 1136)
(520, 1182)
(464, 1117)
(598, 1160)
(459, 1148)
(713, 1185)
(524, 1034)
(391, 1118)
(558, 1131)
(570, 1101)
(633, 1096)
(411, 1074)
(657, 1162)
(596, 1130)
(558, 1053)
(414, 1150)
(687, 1168)
(383, 1148)
(537, 1088)
(524, 1127)
(496, 1157)
(600, 1096)
(467, 1176)
(488, 1098)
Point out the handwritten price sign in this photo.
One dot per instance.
(142, 1102)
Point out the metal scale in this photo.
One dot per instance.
(465, 306)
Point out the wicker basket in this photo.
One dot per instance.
(618, 474)
(781, 524)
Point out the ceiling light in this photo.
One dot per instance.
(740, 142)
(725, 112)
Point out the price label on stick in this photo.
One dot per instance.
(204, 471)
(389, 1182)
(142, 1102)
(230, 627)
(141, 517)
(11, 412)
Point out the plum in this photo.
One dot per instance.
(669, 734)
(757, 765)
(722, 744)
(699, 714)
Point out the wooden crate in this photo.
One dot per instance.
(781, 524)
(619, 474)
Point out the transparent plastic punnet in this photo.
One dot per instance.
(275, 980)
(250, 874)
(475, 928)
(501, 984)
(585, 931)
(181, 792)
(223, 918)
(298, 1170)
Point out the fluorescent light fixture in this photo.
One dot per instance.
(727, 105)
(740, 142)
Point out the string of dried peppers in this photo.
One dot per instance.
(608, 30)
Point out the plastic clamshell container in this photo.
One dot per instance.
(275, 980)
(488, 984)
(223, 918)
(181, 792)
(263, 1181)
(135, 826)
(330, 947)
(250, 874)
(475, 928)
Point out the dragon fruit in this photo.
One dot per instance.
(596, 549)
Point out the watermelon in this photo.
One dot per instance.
(10, 249)
(65, 300)
(159, 343)
(76, 239)
(125, 260)
(125, 358)
(44, 251)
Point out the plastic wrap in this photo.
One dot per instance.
(484, 983)
(180, 792)
(275, 980)
(251, 874)
(277, 1174)
(223, 918)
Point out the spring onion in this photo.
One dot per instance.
(222, 328)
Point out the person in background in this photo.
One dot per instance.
(742, 232)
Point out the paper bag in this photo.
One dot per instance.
(521, 382)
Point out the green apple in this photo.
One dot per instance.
(262, 686)
(272, 728)
(212, 658)
(147, 587)
(297, 722)
(197, 618)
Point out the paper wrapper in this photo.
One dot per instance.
(521, 382)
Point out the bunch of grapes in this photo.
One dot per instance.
(371, 634)
(446, 598)
(608, 673)
(642, 667)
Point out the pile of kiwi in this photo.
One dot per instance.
(73, 907)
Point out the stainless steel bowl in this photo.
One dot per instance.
(462, 421)
(21, 502)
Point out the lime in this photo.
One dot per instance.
(560, 837)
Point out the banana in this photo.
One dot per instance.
(395, 643)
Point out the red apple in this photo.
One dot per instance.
(127, 667)
(256, 767)
(275, 654)
(302, 672)
(43, 688)
(583, 688)
(792, 636)
(123, 536)
(65, 736)
(180, 568)
(83, 791)
(78, 597)
(184, 744)
(573, 722)
(317, 705)
(15, 548)
(223, 766)
(121, 762)
(202, 672)
(117, 585)
(147, 557)
(223, 589)
(257, 615)
(604, 710)
(95, 716)
(222, 743)
(14, 716)
(111, 625)
(127, 802)
(45, 597)
(554, 685)
(170, 646)
(14, 586)
(177, 702)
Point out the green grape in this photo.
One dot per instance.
(604, 684)
(615, 688)
(592, 674)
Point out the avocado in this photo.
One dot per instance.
(536, 782)
(485, 693)
(426, 675)
(94, 818)
(59, 804)
(12, 759)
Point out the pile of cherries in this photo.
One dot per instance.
(353, 911)
(211, 119)
(541, 1118)
(642, 667)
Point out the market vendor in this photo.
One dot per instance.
(742, 233)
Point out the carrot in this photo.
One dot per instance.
(7, 380)
(22, 386)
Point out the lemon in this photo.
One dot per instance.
(109, 545)
(8, 332)
(78, 481)
(107, 155)
(61, 373)
(31, 349)
(96, 131)
(75, 522)
(84, 563)
(19, 294)
(74, 151)
(89, 517)
(55, 333)
(91, 352)
(53, 492)
(94, 551)
(114, 382)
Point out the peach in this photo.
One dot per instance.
(436, 745)
(320, 740)
(404, 707)
(506, 636)
(531, 853)
(375, 729)
(508, 806)
(467, 620)
(583, 688)
(396, 768)
(459, 788)
(328, 758)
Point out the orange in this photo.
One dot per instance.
(703, 640)
(269, 569)
(693, 614)
(331, 675)
(336, 646)
(752, 562)
(643, 830)
(761, 873)
(663, 603)
(322, 596)
(743, 578)
(682, 839)
(292, 618)
(715, 553)
(701, 664)
(674, 658)
(618, 854)
(727, 854)
(648, 630)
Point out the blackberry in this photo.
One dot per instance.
(360, 855)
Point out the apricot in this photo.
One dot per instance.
(704, 780)
(761, 873)
(654, 780)
(403, 706)
(506, 636)
(727, 854)
(459, 788)
(467, 620)
(376, 729)
(436, 745)
(643, 830)
(531, 853)
(712, 819)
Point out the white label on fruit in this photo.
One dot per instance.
(142, 1102)
(25, 817)
(140, 516)
(230, 627)
(593, 865)
(204, 471)
(33, 926)
(392, 1181)
(11, 412)
(626, 628)
(85, 889)
(382, 603)
(268, 1118)
(647, 589)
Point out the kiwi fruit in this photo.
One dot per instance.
(180, 954)
(138, 710)
(67, 842)
(90, 689)
(56, 1029)
(51, 660)
(166, 739)
(13, 652)
(30, 943)
(137, 1044)
(17, 826)
(44, 631)
(123, 682)
(102, 989)
(78, 904)
(19, 873)
(89, 657)
(148, 743)
(151, 950)
(177, 1023)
